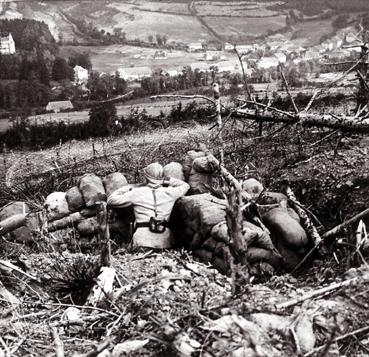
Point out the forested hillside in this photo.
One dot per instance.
(311, 7)
(29, 34)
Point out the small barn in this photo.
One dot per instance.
(59, 106)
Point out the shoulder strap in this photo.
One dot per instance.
(155, 202)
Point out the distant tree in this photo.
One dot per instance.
(151, 38)
(102, 118)
(80, 59)
(159, 40)
(43, 72)
(61, 70)
(117, 31)
(2, 96)
(164, 39)
(120, 85)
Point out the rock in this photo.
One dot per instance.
(175, 170)
(75, 199)
(253, 187)
(114, 181)
(56, 206)
(92, 189)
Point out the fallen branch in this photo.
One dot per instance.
(267, 107)
(316, 293)
(179, 96)
(345, 123)
(338, 229)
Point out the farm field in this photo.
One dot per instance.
(235, 9)
(139, 19)
(234, 27)
(110, 58)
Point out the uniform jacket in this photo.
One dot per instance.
(142, 200)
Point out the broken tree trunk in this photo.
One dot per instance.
(344, 123)
(105, 280)
(104, 234)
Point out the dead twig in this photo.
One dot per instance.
(338, 229)
(243, 72)
(338, 339)
(288, 91)
(316, 293)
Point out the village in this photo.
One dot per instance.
(260, 61)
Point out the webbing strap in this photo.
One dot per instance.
(155, 203)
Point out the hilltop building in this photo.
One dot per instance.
(7, 44)
(58, 106)
(80, 75)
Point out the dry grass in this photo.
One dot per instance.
(127, 153)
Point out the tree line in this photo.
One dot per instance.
(103, 122)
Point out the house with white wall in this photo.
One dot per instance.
(80, 75)
(7, 44)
